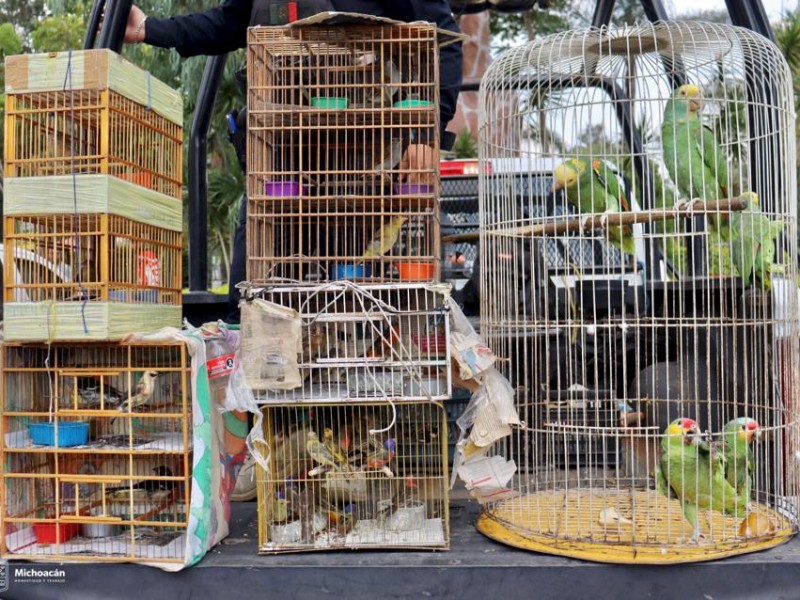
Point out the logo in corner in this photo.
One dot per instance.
(3, 575)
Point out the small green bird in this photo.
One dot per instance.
(737, 438)
(595, 190)
(385, 237)
(753, 238)
(692, 472)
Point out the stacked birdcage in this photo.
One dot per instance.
(97, 448)
(645, 297)
(335, 114)
(344, 332)
(93, 217)
(352, 379)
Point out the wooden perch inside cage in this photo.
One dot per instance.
(693, 208)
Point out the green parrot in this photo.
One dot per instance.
(595, 190)
(694, 473)
(694, 160)
(752, 243)
(737, 436)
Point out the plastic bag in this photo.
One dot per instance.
(471, 354)
(271, 342)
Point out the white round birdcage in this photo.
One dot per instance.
(638, 265)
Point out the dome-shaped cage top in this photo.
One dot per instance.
(639, 264)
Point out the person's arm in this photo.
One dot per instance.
(450, 62)
(215, 31)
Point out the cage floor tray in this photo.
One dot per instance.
(601, 525)
(165, 547)
(371, 534)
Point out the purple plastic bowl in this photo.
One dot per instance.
(412, 189)
(283, 189)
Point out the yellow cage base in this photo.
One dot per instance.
(601, 526)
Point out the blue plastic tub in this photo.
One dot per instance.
(69, 434)
(348, 271)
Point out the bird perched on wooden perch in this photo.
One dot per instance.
(595, 189)
(385, 237)
(389, 80)
(387, 156)
(321, 455)
(152, 487)
(89, 392)
(143, 393)
(753, 238)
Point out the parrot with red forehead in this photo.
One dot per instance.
(692, 472)
(737, 438)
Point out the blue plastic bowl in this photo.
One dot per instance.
(348, 271)
(69, 434)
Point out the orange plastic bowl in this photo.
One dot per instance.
(416, 271)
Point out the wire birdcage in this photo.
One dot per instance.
(92, 112)
(643, 289)
(97, 445)
(95, 276)
(357, 476)
(352, 343)
(332, 112)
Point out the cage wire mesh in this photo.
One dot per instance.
(354, 476)
(645, 272)
(351, 343)
(97, 451)
(331, 113)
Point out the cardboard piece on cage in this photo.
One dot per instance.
(94, 69)
(336, 19)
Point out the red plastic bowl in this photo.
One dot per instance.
(55, 533)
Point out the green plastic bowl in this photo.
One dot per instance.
(412, 103)
(329, 102)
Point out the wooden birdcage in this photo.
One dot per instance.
(347, 343)
(95, 276)
(349, 477)
(336, 110)
(97, 447)
(644, 293)
(318, 240)
(335, 104)
(92, 112)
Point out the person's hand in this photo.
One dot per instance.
(419, 162)
(134, 28)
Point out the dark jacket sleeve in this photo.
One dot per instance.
(215, 31)
(450, 62)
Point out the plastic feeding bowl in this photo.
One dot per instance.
(349, 271)
(69, 434)
(55, 533)
(416, 271)
(329, 102)
(412, 189)
(284, 188)
(412, 103)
